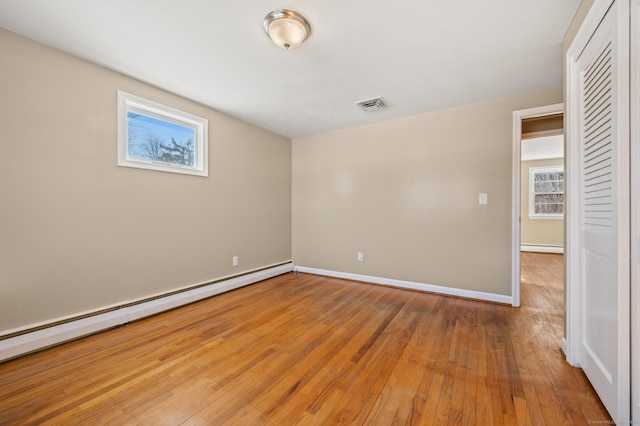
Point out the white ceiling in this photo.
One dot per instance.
(420, 56)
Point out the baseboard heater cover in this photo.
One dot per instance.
(542, 249)
(431, 288)
(46, 337)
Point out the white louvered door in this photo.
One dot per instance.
(604, 212)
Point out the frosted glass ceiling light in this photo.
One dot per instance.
(286, 28)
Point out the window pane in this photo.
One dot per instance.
(152, 139)
(549, 198)
(541, 177)
(549, 209)
(546, 187)
(549, 203)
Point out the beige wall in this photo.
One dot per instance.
(540, 232)
(405, 193)
(78, 233)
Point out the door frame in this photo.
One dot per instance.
(634, 106)
(518, 116)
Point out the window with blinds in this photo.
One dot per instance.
(546, 192)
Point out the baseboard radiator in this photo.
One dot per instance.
(542, 249)
(15, 343)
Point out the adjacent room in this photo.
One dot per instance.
(301, 213)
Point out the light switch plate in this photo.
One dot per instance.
(483, 198)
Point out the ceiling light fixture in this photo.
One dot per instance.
(286, 28)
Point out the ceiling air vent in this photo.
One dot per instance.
(371, 105)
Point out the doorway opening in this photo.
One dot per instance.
(537, 186)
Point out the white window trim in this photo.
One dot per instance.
(532, 171)
(128, 102)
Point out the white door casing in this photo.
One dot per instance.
(635, 207)
(598, 204)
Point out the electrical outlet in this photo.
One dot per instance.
(360, 256)
(235, 260)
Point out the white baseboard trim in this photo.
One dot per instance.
(46, 337)
(542, 249)
(450, 291)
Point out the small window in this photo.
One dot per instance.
(157, 137)
(546, 192)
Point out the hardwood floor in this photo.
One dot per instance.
(305, 349)
(542, 269)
